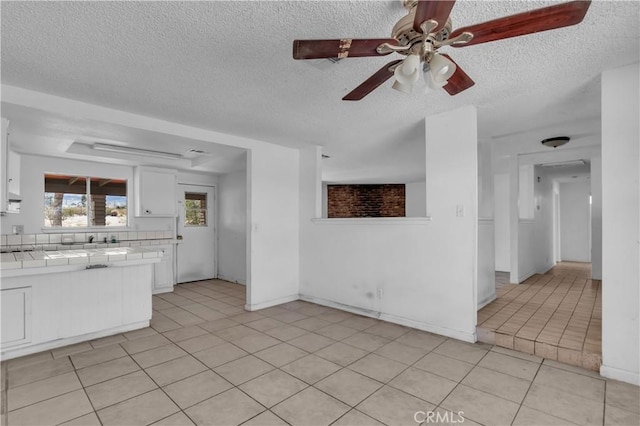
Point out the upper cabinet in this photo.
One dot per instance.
(9, 174)
(155, 192)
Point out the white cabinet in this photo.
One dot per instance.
(9, 174)
(16, 316)
(163, 275)
(49, 310)
(155, 192)
(13, 173)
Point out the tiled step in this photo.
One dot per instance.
(589, 359)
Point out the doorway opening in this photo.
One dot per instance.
(551, 307)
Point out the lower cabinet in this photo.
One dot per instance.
(44, 311)
(16, 315)
(163, 275)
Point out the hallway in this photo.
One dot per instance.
(556, 316)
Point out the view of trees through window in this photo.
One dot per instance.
(81, 201)
(195, 205)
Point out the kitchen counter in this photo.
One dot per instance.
(56, 298)
(75, 246)
(41, 258)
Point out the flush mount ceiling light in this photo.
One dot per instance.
(135, 151)
(555, 141)
(425, 29)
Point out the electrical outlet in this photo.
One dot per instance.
(459, 210)
(380, 293)
(17, 229)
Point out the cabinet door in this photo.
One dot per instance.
(16, 316)
(163, 277)
(13, 173)
(156, 193)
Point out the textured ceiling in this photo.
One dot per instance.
(227, 66)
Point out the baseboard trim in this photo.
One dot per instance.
(232, 279)
(486, 301)
(621, 375)
(270, 303)
(526, 276)
(547, 268)
(431, 328)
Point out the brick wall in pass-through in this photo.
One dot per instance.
(366, 200)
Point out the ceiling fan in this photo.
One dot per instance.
(423, 31)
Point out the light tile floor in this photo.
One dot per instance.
(206, 361)
(556, 316)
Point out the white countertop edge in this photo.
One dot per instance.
(22, 272)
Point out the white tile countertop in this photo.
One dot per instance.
(76, 246)
(43, 259)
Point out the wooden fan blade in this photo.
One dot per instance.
(370, 84)
(339, 48)
(459, 81)
(547, 18)
(438, 10)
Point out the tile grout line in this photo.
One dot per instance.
(527, 392)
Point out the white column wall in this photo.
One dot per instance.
(486, 277)
(410, 271)
(543, 213)
(273, 226)
(621, 224)
(596, 218)
(232, 227)
(501, 222)
(575, 221)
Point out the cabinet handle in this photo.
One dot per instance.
(96, 266)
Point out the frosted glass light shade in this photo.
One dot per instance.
(441, 69)
(407, 73)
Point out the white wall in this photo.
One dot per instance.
(416, 199)
(531, 239)
(575, 221)
(486, 263)
(596, 218)
(526, 192)
(620, 224)
(543, 216)
(232, 227)
(501, 222)
(526, 250)
(486, 279)
(411, 271)
(273, 226)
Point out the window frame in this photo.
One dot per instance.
(200, 196)
(88, 208)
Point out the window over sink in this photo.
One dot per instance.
(84, 201)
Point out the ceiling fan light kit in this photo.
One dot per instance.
(407, 73)
(427, 28)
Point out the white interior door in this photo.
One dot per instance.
(196, 255)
